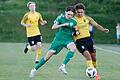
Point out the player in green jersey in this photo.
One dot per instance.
(65, 23)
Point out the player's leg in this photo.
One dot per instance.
(118, 38)
(88, 58)
(30, 44)
(54, 49)
(71, 46)
(41, 63)
(27, 48)
(38, 52)
(92, 50)
(82, 46)
(38, 40)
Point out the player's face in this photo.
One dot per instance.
(32, 7)
(69, 14)
(80, 12)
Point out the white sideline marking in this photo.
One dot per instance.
(108, 50)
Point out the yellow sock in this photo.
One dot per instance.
(89, 63)
(38, 53)
(94, 64)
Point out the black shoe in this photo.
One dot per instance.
(26, 49)
(36, 62)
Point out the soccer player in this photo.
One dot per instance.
(65, 23)
(31, 21)
(84, 43)
(118, 33)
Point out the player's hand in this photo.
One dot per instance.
(65, 24)
(77, 32)
(28, 25)
(43, 22)
(106, 30)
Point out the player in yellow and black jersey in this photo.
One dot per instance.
(31, 21)
(84, 43)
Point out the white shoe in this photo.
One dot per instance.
(32, 73)
(62, 69)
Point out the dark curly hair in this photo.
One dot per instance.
(79, 6)
(70, 8)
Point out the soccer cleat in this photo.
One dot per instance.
(26, 49)
(97, 77)
(32, 73)
(62, 69)
(36, 62)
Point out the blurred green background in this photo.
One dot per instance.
(105, 12)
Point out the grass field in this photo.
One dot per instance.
(15, 65)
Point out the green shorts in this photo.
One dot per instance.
(57, 45)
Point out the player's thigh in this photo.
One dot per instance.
(56, 47)
(91, 47)
(80, 47)
(38, 40)
(31, 41)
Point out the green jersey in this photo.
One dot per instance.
(65, 32)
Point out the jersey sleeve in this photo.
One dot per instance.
(24, 19)
(57, 20)
(40, 17)
(92, 21)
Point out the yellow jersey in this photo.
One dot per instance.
(83, 24)
(33, 19)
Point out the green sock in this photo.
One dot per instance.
(69, 55)
(42, 62)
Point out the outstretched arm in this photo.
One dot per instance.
(99, 27)
(55, 26)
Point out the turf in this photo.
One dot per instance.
(15, 65)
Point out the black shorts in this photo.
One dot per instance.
(34, 39)
(85, 44)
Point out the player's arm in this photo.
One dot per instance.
(23, 21)
(57, 23)
(42, 22)
(98, 26)
(55, 26)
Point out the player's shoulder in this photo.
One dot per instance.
(27, 13)
(37, 13)
(88, 17)
(73, 19)
(60, 16)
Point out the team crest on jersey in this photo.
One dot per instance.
(71, 24)
(83, 47)
(32, 42)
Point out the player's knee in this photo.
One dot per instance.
(33, 48)
(48, 55)
(73, 49)
(39, 45)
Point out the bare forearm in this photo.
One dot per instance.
(26, 25)
(55, 26)
(99, 27)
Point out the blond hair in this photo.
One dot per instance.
(30, 2)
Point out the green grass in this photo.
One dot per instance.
(15, 65)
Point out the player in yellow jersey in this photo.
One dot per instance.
(31, 21)
(84, 43)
